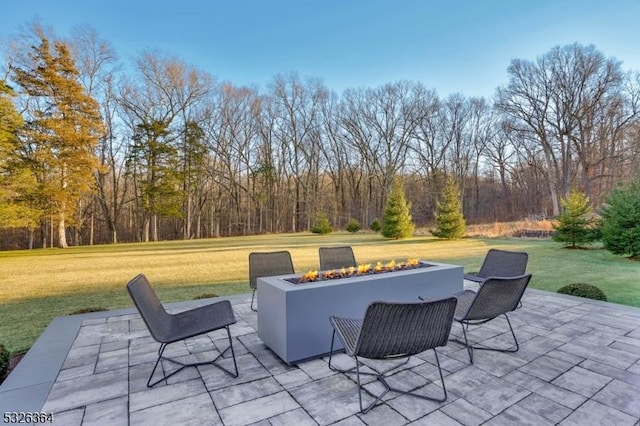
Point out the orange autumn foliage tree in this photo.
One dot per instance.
(64, 125)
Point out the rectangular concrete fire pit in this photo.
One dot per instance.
(293, 319)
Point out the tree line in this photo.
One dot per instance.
(94, 152)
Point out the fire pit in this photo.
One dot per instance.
(360, 270)
(293, 317)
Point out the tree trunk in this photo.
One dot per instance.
(154, 227)
(198, 231)
(554, 199)
(62, 234)
(91, 230)
(189, 212)
(146, 226)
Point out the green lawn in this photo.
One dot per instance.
(39, 285)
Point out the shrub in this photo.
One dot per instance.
(205, 296)
(4, 362)
(375, 226)
(396, 220)
(583, 290)
(87, 310)
(450, 223)
(575, 224)
(620, 226)
(353, 226)
(322, 225)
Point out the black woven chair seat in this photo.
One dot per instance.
(200, 321)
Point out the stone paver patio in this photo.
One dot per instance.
(578, 364)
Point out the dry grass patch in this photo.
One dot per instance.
(509, 229)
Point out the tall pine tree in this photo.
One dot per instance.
(63, 126)
(153, 161)
(396, 219)
(450, 223)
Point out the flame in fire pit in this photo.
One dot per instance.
(362, 269)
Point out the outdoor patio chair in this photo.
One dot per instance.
(267, 264)
(336, 258)
(496, 297)
(392, 331)
(500, 263)
(168, 328)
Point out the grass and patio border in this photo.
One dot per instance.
(40, 285)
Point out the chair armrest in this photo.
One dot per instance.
(474, 278)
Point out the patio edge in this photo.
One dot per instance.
(27, 387)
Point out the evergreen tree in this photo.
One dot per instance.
(353, 226)
(621, 221)
(63, 129)
(194, 169)
(153, 161)
(375, 225)
(396, 219)
(450, 223)
(575, 224)
(322, 225)
(16, 179)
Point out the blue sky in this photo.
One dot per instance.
(451, 46)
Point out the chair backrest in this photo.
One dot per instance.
(497, 296)
(402, 329)
(503, 263)
(336, 258)
(151, 310)
(267, 264)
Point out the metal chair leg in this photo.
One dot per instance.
(513, 334)
(333, 336)
(381, 378)
(194, 364)
(471, 348)
(160, 352)
(466, 343)
(354, 369)
(253, 296)
(233, 354)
